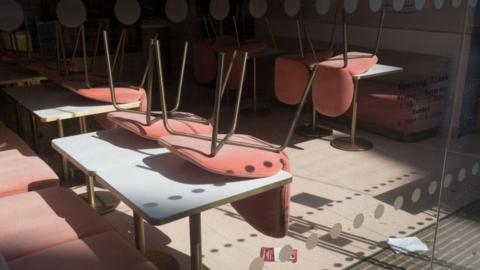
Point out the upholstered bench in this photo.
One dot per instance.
(20, 169)
(54, 229)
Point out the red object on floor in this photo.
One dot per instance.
(406, 111)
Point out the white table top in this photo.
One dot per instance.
(377, 71)
(105, 149)
(164, 188)
(51, 102)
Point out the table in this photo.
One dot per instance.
(159, 186)
(53, 103)
(352, 143)
(13, 74)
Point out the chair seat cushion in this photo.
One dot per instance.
(41, 219)
(104, 251)
(137, 124)
(267, 212)
(292, 73)
(232, 160)
(123, 94)
(332, 90)
(9, 140)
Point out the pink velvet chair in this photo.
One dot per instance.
(238, 155)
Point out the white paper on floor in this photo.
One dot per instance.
(406, 244)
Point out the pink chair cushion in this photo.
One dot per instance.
(104, 251)
(205, 58)
(291, 75)
(41, 219)
(123, 94)
(9, 140)
(252, 47)
(137, 124)
(332, 90)
(267, 212)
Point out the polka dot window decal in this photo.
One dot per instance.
(219, 9)
(312, 241)
(11, 15)
(336, 231)
(456, 3)
(350, 5)
(432, 188)
(398, 4)
(379, 211)
(419, 4)
(438, 4)
(176, 10)
(258, 8)
(448, 181)
(475, 168)
(416, 195)
(358, 221)
(285, 253)
(398, 203)
(375, 5)
(462, 174)
(472, 3)
(292, 7)
(257, 264)
(322, 6)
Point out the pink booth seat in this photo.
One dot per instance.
(267, 212)
(137, 124)
(54, 229)
(292, 73)
(20, 169)
(332, 89)
(407, 111)
(205, 58)
(252, 47)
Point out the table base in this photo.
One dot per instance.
(345, 143)
(307, 130)
(162, 260)
(105, 202)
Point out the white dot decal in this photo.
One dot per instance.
(336, 231)
(448, 181)
(456, 3)
(127, 11)
(419, 4)
(322, 6)
(475, 168)
(379, 211)
(472, 3)
(462, 174)
(312, 241)
(11, 15)
(350, 5)
(398, 203)
(358, 221)
(71, 13)
(257, 264)
(219, 9)
(416, 194)
(285, 253)
(438, 4)
(258, 8)
(176, 10)
(292, 7)
(398, 4)
(375, 5)
(432, 188)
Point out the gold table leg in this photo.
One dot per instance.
(108, 204)
(255, 110)
(160, 259)
(61, 134)
(353, 143)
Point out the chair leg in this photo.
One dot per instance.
(313, 130)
